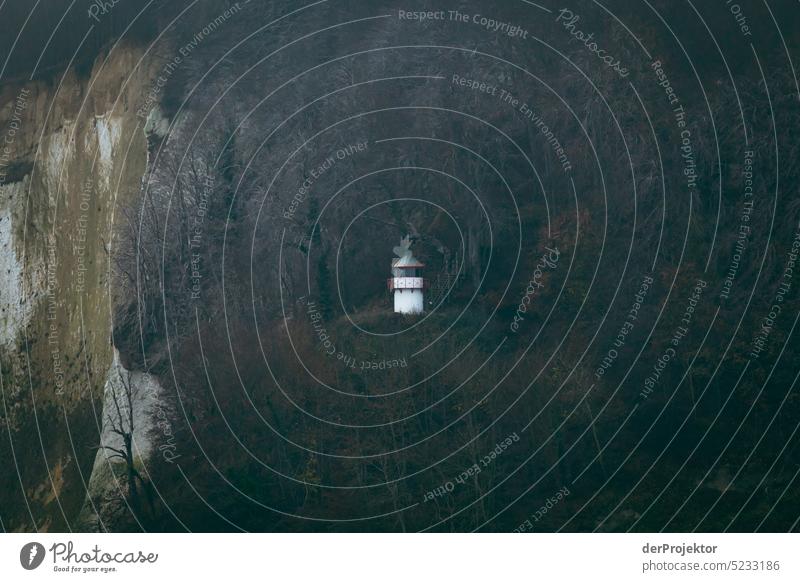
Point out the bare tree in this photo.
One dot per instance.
(121, 423)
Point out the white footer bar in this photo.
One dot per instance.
(394, 557)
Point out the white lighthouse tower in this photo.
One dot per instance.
(406, 283)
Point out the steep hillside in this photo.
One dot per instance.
(74, 151)
(199, 207)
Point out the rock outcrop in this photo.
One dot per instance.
(73, 150)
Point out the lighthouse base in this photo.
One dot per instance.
(408, 301)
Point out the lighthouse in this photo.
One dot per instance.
(406, 283)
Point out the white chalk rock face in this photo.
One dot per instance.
(11, 313)
(151, 435)
(145, 390)
(18, 287)
(108, 130)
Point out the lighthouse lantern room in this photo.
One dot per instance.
(406, 283)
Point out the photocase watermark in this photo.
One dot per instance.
(384, 364)
(549, 504)
(31, 555)
(196, 237)
(744, 227)
(318, 325)
(14, 125)
(52, 309)
(535, 117)
(549, 261)
(669, 354)
(568, 20)
(79, 242)
(100, 8)
(183, 52)
(679, 113)
(168, 448)
(759, 343)
(625, 329)
(328, 347)
(739, 17)
(320, 170)
(473, 470)
(530, 114)
(489, 24)
(95, 560)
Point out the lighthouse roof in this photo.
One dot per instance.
(406, 262)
